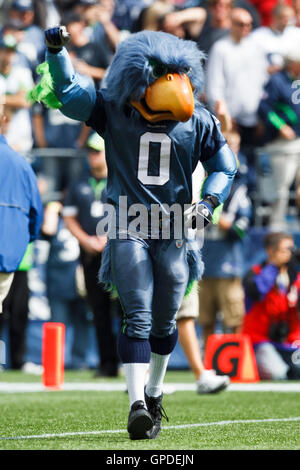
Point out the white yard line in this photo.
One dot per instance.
(18, 387)
(165, 428)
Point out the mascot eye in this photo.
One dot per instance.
(158, 70)
(187, 70)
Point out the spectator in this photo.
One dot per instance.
(46, 14)
(12, 32)
(64, 6)
(236, 73)
(206, 380)
(20, 211)
(91, 11)
(30, 38)
(83, 208)
(104, 31)
(223, 255)
(15, 313)
(126, 12)
(151, 17)
(205, 25)
(53, 130)
(88, 58)
(272, 318)
(280, 112)
(276, 38)
(62, 270)
(233, 62)
(15, 81)
(217, 25)
(266, 7)
(186, 23)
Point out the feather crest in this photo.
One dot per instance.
(44, 90)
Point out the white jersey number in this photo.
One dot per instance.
(164, 164)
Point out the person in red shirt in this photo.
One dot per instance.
(265, 8)
(272, 310)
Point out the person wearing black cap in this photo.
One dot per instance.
(83, 209)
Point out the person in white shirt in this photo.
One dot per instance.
(15, 81)
(236, 73)
(278, 37)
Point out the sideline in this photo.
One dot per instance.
(168, 388)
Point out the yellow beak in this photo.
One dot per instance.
(170, 97)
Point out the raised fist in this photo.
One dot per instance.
(56, 38)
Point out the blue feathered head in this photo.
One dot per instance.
(145, 58)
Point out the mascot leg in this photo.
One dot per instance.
(171, 274)
(132, 275)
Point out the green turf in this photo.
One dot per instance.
(24, 414)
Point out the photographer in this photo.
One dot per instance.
(272, 319)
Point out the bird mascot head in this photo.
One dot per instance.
(158, 74)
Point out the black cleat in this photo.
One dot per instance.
(157, 413)
(139, 421)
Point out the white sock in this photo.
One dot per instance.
(135, 379)
(157, 372)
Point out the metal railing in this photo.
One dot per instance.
(35, 154)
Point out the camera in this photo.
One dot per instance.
(295, 254)
(278, 331)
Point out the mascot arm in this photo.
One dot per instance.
(221, 169)
(76, 93)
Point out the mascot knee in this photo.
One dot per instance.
(163, 345)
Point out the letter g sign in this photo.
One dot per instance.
(226, 359)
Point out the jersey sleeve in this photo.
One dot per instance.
(211, 137)
(97, 120)
(216, 157)
(76, 92)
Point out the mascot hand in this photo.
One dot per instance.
(199, 214)
(56, 38)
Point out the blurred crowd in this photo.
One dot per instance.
(252, 67)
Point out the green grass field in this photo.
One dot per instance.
(96, 420)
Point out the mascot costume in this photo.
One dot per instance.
(155, 134)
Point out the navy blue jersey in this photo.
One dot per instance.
(153, 163)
